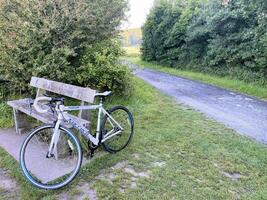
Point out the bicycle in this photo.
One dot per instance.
(56, 144)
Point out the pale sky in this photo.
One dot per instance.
(137, 14)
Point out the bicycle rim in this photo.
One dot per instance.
(50, 172)
(118, 142)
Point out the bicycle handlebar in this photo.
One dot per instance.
(41, 99)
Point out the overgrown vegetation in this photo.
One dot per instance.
(52, 39)
(6, 120)
(181, 154)
(100, 66)
(226, 38)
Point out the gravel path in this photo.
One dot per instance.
(247, 115)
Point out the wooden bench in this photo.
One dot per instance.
(22, 106)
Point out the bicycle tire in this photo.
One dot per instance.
(74, 145)
(107, 144)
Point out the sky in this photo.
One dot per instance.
(137, 14)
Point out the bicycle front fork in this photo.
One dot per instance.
(52, 152)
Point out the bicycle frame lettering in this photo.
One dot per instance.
(62, 116)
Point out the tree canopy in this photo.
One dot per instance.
(50, 38)
(221, 37)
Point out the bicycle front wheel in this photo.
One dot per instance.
(55, 171)
(117, 129)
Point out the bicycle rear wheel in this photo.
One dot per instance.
(50, 172)
(124, 118)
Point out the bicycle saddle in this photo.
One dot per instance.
(104, 94)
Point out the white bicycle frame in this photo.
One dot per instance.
(62, 116)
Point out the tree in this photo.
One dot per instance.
(154, 31)
(236, 46)
(48, 38)
(164, 32)
(219, 37)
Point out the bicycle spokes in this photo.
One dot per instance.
(50, 167)
(118, 129)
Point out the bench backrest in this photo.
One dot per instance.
(76, 92)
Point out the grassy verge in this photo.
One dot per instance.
(132, 51)
(176, 153)
(5, 116)
(225, 82)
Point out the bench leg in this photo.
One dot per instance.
(85, 114)
(21, 122)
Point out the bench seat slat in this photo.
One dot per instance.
(48, 118)
(76, 92)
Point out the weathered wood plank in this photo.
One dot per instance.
(40, 92)
(21, 122)
(85, 114)
(76, 92)
(48, 118)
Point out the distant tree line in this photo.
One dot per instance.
(131, 37)
(226, 37)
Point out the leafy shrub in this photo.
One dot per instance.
(157, 30)
(101, 69)
(164, 33)
(210, 36)
(6, 116)
(48, 38)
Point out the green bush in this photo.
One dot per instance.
(6, 120)
(157, 31)
(101, 69)
(164, 33)
(209, 36)
(48, 38)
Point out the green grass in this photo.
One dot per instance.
(196, 153)
(226, 82)
(6, 120)
(132, 51)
